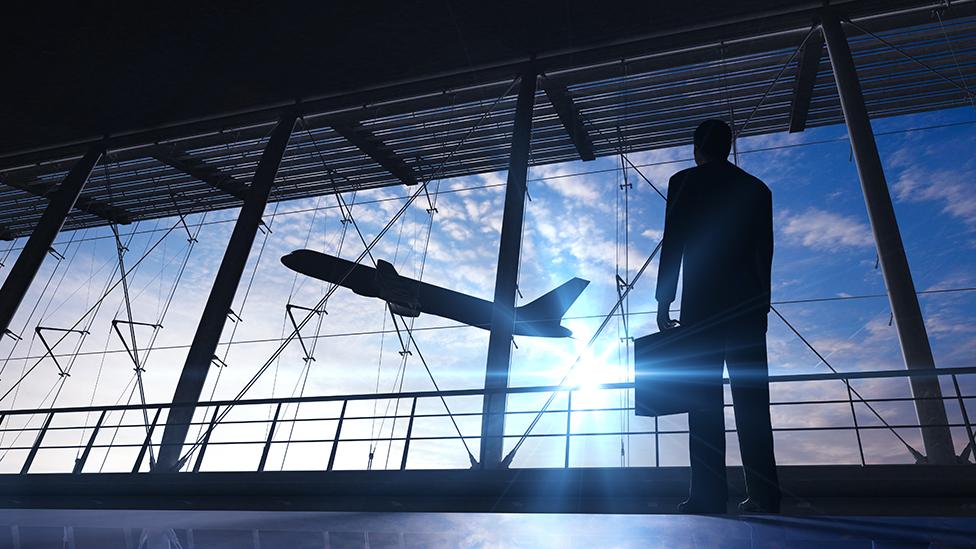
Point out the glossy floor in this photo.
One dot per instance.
(28, 529)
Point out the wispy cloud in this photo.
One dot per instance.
(952, 190)
(823, 230)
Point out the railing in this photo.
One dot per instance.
(332, 431)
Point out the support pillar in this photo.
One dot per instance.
(506, 279)
(198, 358)
(40, 241)
(891, 251)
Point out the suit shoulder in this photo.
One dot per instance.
(758, 184)
(683, 174)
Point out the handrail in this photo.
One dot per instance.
(267, 439)
(785, 378)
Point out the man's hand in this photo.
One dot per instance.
(664, 321)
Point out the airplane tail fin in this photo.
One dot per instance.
(542, 316)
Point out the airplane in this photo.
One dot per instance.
(409, 298)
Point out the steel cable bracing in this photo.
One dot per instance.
(413, 197)
(17, 339)
(347, 219)
(302, 381)
(628, 161)
(37, 331)
(625, 310)
(108, 338)
(575, 317)
(538, 416)
(411, 340)
(134, 353)
(85, 331)
(161, 316)
(6, 254)
(405, 346)
(237, 317)
(90, 310)
(583, 354)
(58, 385)
(379, 366)
(847, 383)
(140, 365)
(575, 174)
(962, 87)
(918, 455)
(310, 353)
(955, 60)
(737, 132)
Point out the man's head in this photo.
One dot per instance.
(713, 141)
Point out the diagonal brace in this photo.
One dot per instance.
(373, 147)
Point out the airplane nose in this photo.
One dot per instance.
(288, 260)
(295, 259)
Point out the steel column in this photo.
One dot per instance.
(40, 241)
(891, 251)
(214, 315)
(506, 279)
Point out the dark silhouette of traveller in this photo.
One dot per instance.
(719, 225)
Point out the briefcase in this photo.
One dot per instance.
(673, 373)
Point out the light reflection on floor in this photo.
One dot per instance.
(29, 529)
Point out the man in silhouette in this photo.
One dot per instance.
(719, 225)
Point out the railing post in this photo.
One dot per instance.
(569, 413)
(267, 443)
(657, 444)
(338, 434)
(857, 430)
(37, 444)
(406, 443)
(206, 440)
(506, 280)
(965, 417)
(147, 443)
(80, 462)
(891, 250)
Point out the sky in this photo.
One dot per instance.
(580, 221)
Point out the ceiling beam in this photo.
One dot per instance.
(98, 208)
(569, 115)
(371, 146)
(182, 161)
(806, 77)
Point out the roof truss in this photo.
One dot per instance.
(570, 116)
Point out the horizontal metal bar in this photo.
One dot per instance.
(478, 414)
(787, 378)
(561, 433)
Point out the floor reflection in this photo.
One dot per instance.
(28, 529)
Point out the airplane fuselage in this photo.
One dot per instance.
(409, 297)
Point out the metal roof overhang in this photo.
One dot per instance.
(630, 92)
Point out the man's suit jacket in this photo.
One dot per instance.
(719, 224)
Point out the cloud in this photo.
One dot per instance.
(823, 230)
(953, 190)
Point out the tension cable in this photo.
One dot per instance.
(413, 197)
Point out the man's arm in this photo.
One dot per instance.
(671, 251)
(764, 237)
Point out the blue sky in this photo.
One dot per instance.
(574, 227)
